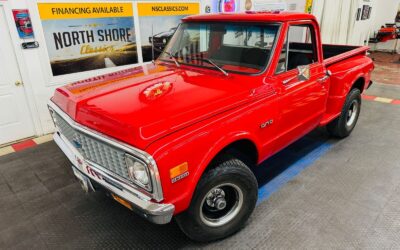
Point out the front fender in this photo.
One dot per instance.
(199, 143)
(218, 146)
(198, 151)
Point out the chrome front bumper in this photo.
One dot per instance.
(158, 213)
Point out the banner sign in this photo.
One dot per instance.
(168, 9)
(308, 6)
(158, 22)
(88, 36)
(23, 23)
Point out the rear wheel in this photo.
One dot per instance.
(224, 199)
(343, 125)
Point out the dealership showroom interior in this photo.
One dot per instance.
(220, 124)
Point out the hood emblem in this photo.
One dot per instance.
(156, 90)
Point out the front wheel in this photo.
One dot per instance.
(343, 125)
(224, 199)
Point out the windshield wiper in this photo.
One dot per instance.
(210, 62)
(171, 56)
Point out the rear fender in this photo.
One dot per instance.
(344, 76)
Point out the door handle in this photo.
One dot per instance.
(328, 74)
(323, 79)
(18, 83)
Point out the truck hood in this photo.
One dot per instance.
(142, 104)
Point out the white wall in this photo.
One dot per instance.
(338, 19)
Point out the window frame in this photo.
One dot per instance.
(268, 63)
(314, 38)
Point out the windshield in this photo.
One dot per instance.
(234, 47)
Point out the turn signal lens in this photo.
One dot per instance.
(178, 170)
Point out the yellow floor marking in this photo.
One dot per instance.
(43, 139)
(383, 99)
(6, 150)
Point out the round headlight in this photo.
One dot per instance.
(165, 40)
(138, 172)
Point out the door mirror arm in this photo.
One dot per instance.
(303, 74)
(328, 73)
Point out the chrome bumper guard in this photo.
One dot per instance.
(87, 173)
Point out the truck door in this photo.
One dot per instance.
(302, 101)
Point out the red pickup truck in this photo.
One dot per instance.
(179, 137)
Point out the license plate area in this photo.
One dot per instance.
(85, 182)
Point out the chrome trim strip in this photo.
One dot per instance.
(148, 159)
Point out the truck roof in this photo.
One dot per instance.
(252, 16)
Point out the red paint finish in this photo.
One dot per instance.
(251, 16)
(189, 114)
(23, 145)
(368, 97)
(396, 102)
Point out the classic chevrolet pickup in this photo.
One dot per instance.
(179, 137)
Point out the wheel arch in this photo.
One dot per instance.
(243, 149)
(228, 144)
(359, 83)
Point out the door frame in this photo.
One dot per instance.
(284, 138)
(22, 68)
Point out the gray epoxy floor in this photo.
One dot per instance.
(348, 198)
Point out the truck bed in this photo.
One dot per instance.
(331, 53)
(335, 53)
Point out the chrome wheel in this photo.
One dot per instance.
(352, 113)
(221, 204)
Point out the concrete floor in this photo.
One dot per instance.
(346, 197)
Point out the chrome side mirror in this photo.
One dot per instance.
(303, 72)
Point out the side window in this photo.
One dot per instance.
(299, 48)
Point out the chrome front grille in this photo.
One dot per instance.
(107, 156)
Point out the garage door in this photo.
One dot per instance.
(15, 118)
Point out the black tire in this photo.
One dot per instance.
(343, 125)
(200, 221)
